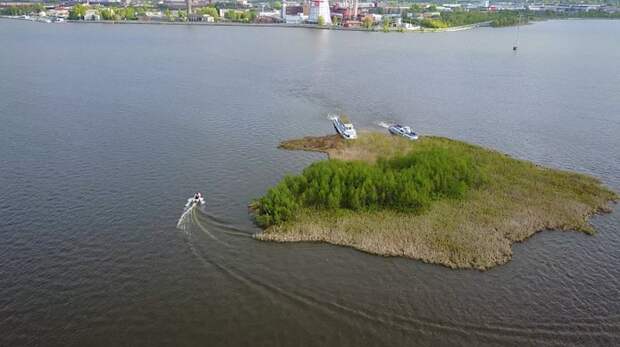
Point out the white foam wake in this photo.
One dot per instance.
(383, 124)
(185, 219)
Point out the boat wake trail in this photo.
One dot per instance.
(383, 124)
(206, 231)
(196, 218)
(221, 225)
(218, 230)
(268, 288)
(185, 220)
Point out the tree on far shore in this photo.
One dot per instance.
(182, 15)
(211, 11)
(367, 22)
(386, 24)
(106, 14)
(77, 12)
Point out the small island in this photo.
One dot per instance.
(437, 200)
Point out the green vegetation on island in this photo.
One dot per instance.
(405, 183)
(543, 15)
(430, 18)
(438, 200)
(462, 18)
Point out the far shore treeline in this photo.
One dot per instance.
(425, 16)
(407, 183)
(22, 9)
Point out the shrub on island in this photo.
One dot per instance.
(407, 183)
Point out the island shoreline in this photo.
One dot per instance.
(494, 238)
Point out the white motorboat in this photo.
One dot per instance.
(197, 200)
(405, 131)
(346, 130)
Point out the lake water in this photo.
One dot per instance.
(106, 130)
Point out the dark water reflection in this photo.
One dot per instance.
(107, 129)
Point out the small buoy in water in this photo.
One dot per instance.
(514, 48)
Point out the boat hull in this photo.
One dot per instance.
(400, 132)
(340, 129)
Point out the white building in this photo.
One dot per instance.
(154, 14)
(273, 13)
(296, 19)
(318, 9)
(409, 26)
(92, 15)
(58, 12)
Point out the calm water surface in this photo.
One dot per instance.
(106, 130)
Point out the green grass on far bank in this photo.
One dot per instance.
(461, 18)
(504, 18)
(438, 200)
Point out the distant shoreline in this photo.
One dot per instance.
(46, 20)
(263, 25)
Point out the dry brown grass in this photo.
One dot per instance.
(368, 147)
(519, 200)
(324, 144)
